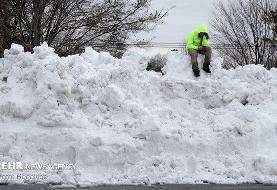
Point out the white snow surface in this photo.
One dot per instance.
(123, 125)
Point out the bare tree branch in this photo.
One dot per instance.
(242, 24)
(70, 25)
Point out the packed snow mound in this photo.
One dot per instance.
(121, 124)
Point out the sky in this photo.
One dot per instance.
(186, 16)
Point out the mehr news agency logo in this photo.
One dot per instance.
(20, 166)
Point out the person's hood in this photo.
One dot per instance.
(202, 28)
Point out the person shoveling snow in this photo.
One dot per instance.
(198, 43)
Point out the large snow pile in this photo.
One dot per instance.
(121, 124)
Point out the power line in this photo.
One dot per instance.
(169, 45)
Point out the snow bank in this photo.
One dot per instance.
(121, 124)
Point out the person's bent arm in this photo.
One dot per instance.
(190, 44)
(205, 41)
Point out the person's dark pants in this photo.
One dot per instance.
(207, 51)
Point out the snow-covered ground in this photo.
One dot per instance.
(121, 124)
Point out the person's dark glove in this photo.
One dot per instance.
(200, 48)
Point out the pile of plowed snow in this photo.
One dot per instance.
(121, 124)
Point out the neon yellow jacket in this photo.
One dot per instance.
(194, 41)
